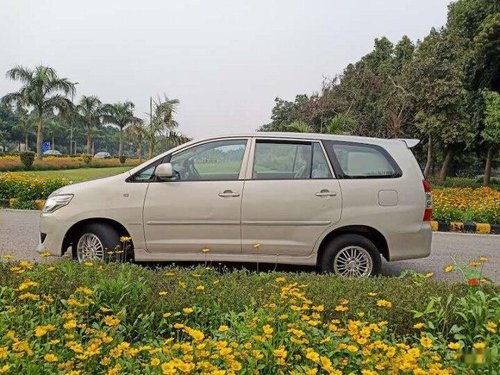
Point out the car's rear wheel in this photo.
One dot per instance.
(351, 255)
(94, 242)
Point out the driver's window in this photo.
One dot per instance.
(219, 160)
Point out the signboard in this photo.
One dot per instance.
(45, 146)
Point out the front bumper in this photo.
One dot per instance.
(54, 229)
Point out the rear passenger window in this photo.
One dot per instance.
(362, 160)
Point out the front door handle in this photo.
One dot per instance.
(326, 193)
(228, 194)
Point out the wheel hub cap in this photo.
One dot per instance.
(89, 248)
(353, 261)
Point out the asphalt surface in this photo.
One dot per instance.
(19, 237)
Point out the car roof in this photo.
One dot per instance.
(318, 136)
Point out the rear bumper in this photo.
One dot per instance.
(412, 245)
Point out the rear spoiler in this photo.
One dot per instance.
(410, 142)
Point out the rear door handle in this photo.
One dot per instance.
(326, 193)
(228, 194)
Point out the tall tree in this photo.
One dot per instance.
(491, 131)
(42, 90)
(91, 110)
(121, 115)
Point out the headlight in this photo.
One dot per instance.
(57, 201)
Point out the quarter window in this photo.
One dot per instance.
(362, 160)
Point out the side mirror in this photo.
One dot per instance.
(164, 171)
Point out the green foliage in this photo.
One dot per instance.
(87, 158)
(26, 188)
(299, 127)
(123, 159)
(27, 158)
(491, 131)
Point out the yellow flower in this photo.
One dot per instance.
(50, 357)
(125, 239)
(45, 254)
(110, 321)
(454, 345)
(372, 294)
(384, 303)
(85, 290)
(479, 345)
(268, 330)
(448, 268)
(341, 308)
(428, 275)
(426, 342)
(483, 258)
(205, 250)
(200, 287)
(70, 324)
(3, 352)
(88, 264)
(256, 245)
(418, 325)
(4, 369)
(279, 279)
(155, 361)
(187, 310)
(162, 293)
(43, 330)
(167, 315)
(474, 264)
(491, 327)
(223, 328)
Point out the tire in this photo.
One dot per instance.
(100, 237)
(351, 255)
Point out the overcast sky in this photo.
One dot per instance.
(225, 60)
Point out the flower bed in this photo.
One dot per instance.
(481, 205)
(13, 163)
(120, 318)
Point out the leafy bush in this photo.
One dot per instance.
(28, 188)
(480, 205)
(123, 159)
(128, 318)
(27, 158)
(87, 158)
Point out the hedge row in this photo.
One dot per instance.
(128, 318)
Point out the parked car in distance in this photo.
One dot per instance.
(338, 202)
(103, 155)
(52, 152)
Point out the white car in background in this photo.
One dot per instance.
(52, 152)
(338, 202)
(102, 155)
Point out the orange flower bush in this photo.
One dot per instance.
(480, 205)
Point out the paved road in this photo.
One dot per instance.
(19, 231)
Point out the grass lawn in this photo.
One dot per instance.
(78, 175)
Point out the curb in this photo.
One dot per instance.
(469, 227)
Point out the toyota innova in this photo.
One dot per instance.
(338, 202)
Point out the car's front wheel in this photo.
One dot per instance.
(94, 242)
(351, 255)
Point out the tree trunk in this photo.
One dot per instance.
(89, 140)
(39, 138)
(53, 145)
(428, 164)
(446, 164)
(487, 167)
(120, 147)
(25, 143)
(139, 151)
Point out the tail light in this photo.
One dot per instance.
(428, 201)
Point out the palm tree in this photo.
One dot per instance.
(299, 127)
(42, 90)
(162, 122)
(90, 109)
(136, 133)
(121, 115)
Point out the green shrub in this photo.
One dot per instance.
(28, 188)
(87, 158)
(27, 158)
(123, 159)
(125, 317)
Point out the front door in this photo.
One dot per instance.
(200, 208)
(290, 199)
